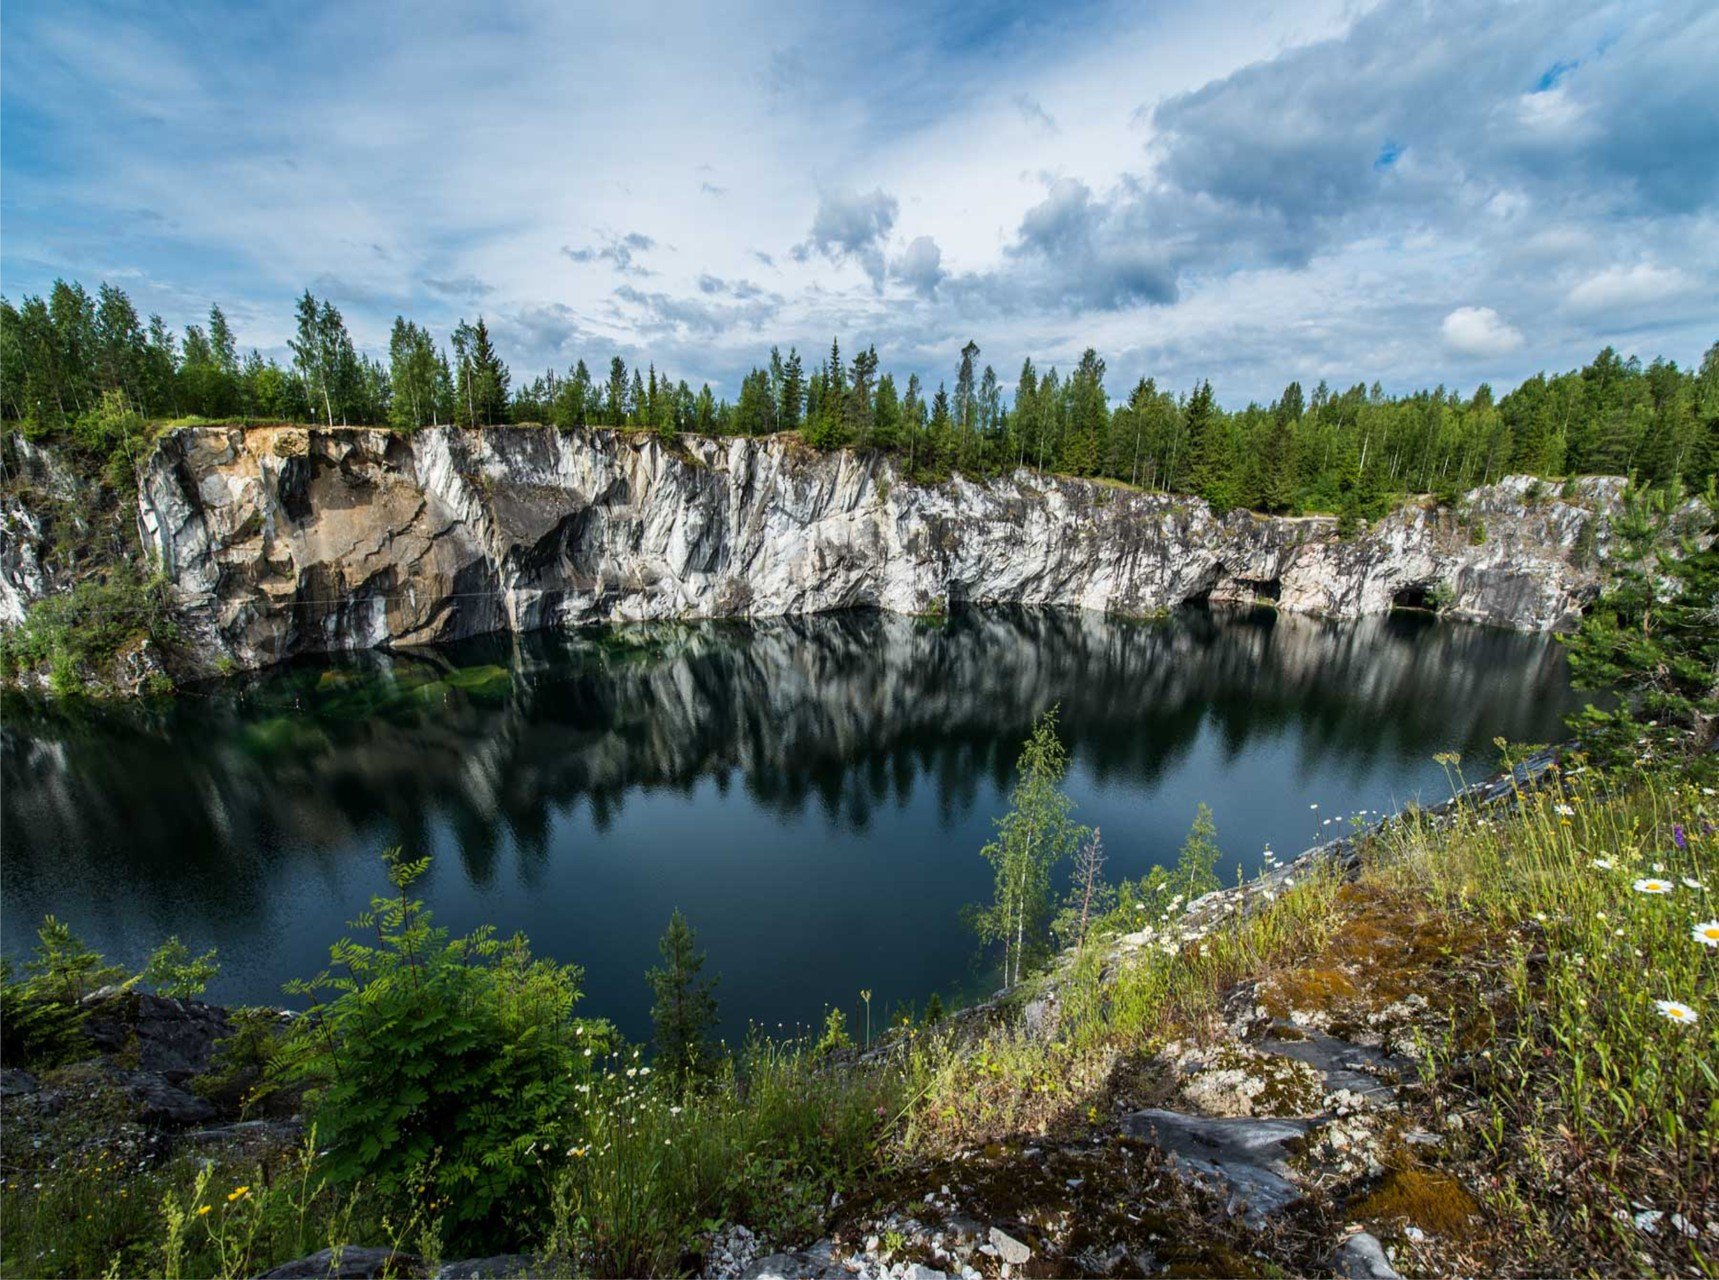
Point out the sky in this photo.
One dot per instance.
(1240, 190)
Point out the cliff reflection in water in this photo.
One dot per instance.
(247, 812)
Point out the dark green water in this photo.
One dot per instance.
(813, 792)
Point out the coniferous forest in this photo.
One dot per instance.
(89, 367)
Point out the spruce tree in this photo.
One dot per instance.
(685, 1007)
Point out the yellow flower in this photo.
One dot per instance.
(236, 1193)
(203, 1209)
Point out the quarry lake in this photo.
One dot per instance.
(812, 792)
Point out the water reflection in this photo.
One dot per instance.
(588, 782)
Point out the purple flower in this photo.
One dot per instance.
(1677, 836)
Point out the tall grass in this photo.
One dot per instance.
(1594, 1104)
(767, 1143)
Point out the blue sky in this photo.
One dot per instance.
(1251, 192)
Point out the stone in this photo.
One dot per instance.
(292, 540)
(1362, 1257)
(17, 1084)
(804, 1265)
(506, 1266)
(165, 1106)
(174, 1039)
(1247, 1157)
(1009, 1249)
(353, 1262)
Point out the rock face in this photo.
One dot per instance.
(290, 540)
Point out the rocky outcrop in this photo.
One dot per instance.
(290, 540)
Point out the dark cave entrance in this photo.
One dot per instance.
(1419, 597)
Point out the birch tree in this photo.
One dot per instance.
(1032, 838)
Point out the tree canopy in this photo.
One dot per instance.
(1351, 451)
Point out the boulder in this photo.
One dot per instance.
(352, 1262)
(165, 1106)
(1362, 1257)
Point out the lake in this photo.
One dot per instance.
(813, 792)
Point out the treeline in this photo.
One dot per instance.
(68, 355)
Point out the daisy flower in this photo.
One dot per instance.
(1673, 1011)
(1653, 885)
(1707, 933)
(1605, 864)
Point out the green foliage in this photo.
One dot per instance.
(778, 1130)
(78, 634)
(685, 1007)
(1653, 636)
(37, 1030)
(1347, 452)
(64, 967)
(446, 1064)
(1162, 893)
(174, 971)
(1032, 838)
(834, 1038)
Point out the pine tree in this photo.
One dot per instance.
(685, 1007)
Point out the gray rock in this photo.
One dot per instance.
(166, 1107)
(353, 1262)
(1009, 1249)
(919, 1271)
(506, 1266)
(172, 1038)
(805, 1265)
(1247, 1157)
(16, 1084)
(1362, 1257)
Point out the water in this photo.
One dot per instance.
(813, 792)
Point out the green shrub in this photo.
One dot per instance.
(79, 633)
(446, 1068)
(173, 971)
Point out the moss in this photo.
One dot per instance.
(1307, 990)
(1426, 1198)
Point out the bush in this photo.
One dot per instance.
(79, 633)
(173, 971)
(445, 1070)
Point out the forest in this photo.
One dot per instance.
(90, 369)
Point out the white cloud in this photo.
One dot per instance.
(1479, 332)
(1619, 287)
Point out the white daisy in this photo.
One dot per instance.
(1605, 864)
(1673, 1011)
(1707, 933)
(1653, 885)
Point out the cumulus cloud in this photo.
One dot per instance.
(920, 266)
(1619, 288)
(1071, 249)
(852, 226)
(1478, 332)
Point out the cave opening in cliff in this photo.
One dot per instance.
(1418, 596)
(1265, 588)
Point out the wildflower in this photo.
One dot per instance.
(1605, 864)
(203, 1209)
(236, 1193)
(1563, 811)
(1706, 933)
(1653, 885)
(1677, 836)
(1673, 1011)
(1689, 882)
